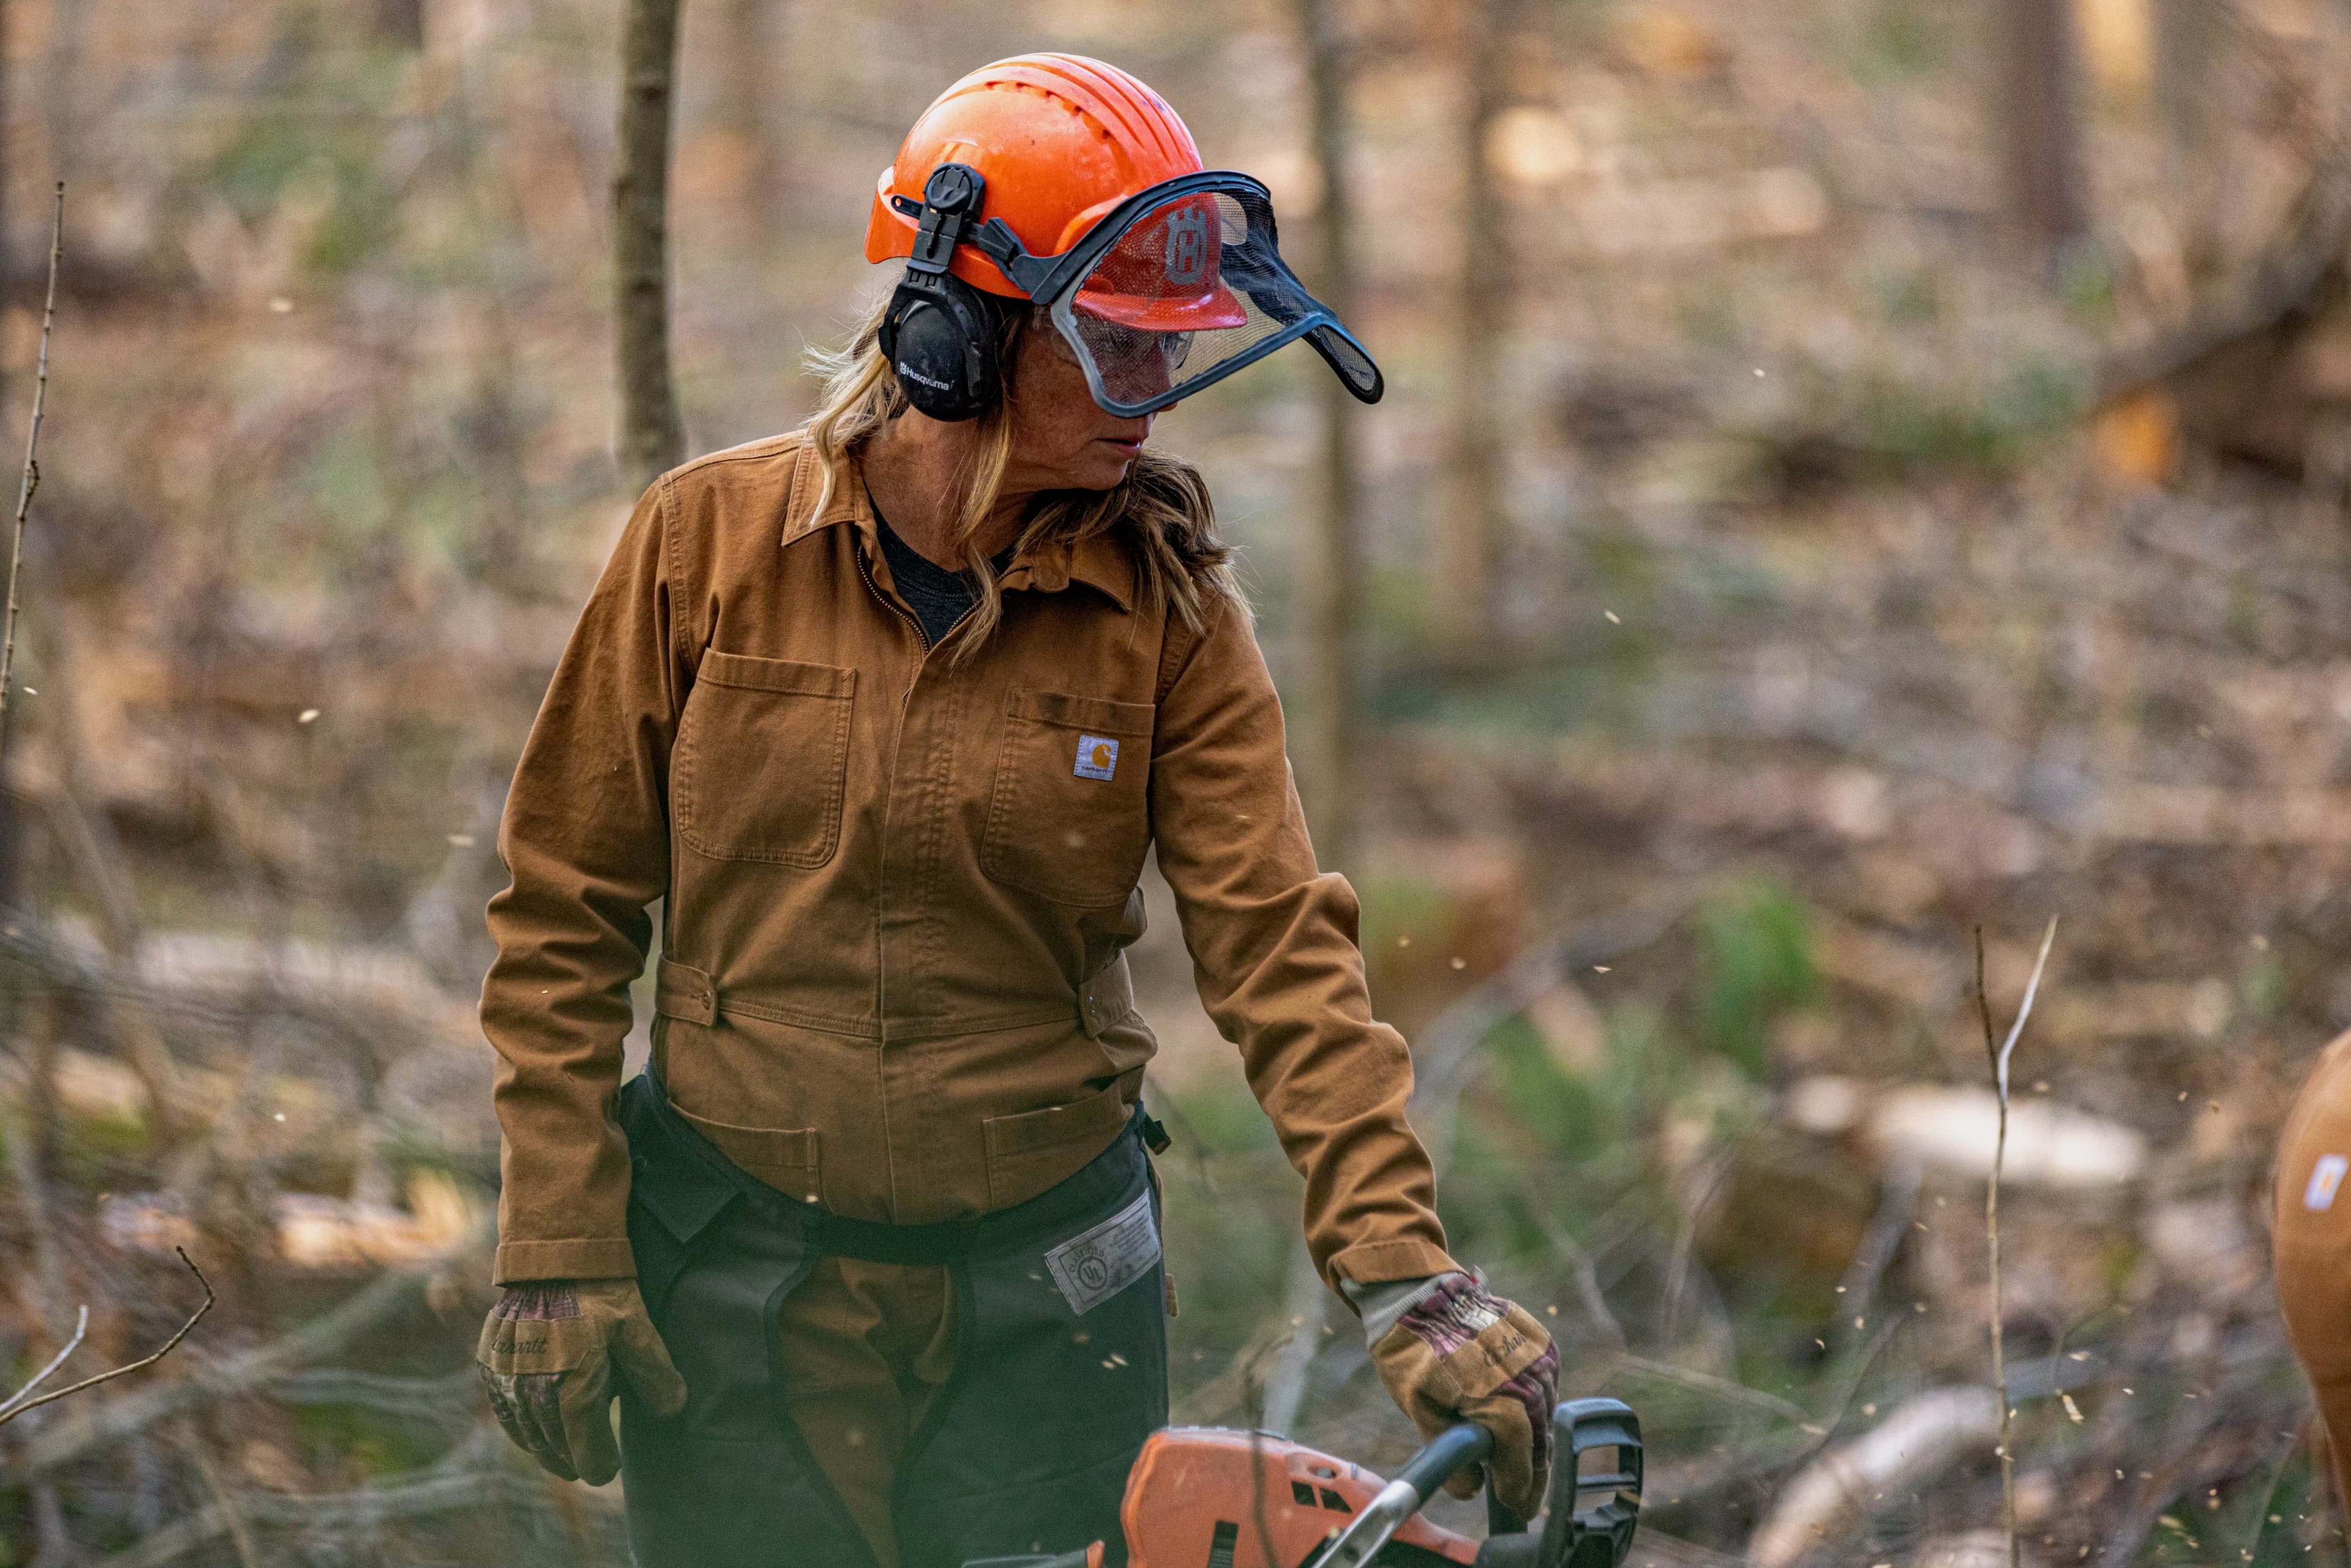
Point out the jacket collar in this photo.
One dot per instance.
(1101, 562)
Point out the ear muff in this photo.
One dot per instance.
(940, 337)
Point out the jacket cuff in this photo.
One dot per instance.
(607, 1257)
(1376, 1262)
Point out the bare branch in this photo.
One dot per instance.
(1706, 1383)
(1916, 1441)
(32, 477)
(471, 1477)
(1999, 1056)
(81, 1328)
(14, 1409)
(1304, 1308)
(363, 1310)
(232, 1517)
(2031, 989)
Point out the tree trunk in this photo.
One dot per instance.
(1335, 565)
(750, 88)
(1469, 547)
(400, 23)
(2040, 113)
(652, 439)
(2187, 42)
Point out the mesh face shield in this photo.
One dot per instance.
(1176, 288)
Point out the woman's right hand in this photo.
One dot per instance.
(547, 1355)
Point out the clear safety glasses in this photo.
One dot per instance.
(1176, 288)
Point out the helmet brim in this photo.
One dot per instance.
(1218, 308)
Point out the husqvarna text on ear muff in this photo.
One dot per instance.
(940, 333)
(1061, 181)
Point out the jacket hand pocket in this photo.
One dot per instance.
(785, 1158)
(1069, 819)
(761, 760)
(1030, 1153)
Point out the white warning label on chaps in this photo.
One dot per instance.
(1097, 1264)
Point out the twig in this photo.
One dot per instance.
(1579, 1258)
(436, 1400)
(24, 1148)
(1897, 1202)
(32, 477)
(469, 1477)
(1699, 1192)
(1252, 1398)
(82, 1328)
(1917, 1441)
(1999, 1056)
(232, 1517)
(1449, 1045)
(14, 1409)
(324, 1336)
(1706, 1383)
(1236, 1387)
(2269, 1495)
(1304, 1307)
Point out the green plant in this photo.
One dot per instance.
(1758, 943)
(1908, 297)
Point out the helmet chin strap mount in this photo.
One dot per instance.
(939, 333)
(993, 239)
(950, 201)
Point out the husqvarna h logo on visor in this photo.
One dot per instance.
(1097, 757)
(1188, 246)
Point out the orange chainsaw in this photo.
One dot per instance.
(1209, 1495)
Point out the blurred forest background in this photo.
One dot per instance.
(1854, 472)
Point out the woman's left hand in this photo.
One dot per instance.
(1460, 1354)
(549, 1354)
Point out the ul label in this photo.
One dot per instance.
(1094, 1265)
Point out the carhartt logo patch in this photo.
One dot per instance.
(1097, 757)
(2326, 1180)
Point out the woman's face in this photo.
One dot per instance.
(1061, 439)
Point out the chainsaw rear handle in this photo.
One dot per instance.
(1578, 1533)
(1574, 1534)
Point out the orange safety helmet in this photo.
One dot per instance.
(1061, 141)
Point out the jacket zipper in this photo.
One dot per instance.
(881, 966)
(884, 601)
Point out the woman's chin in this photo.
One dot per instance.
(1106, 474)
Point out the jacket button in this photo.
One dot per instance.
(640, 1165)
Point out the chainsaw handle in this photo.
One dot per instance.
(1455, 1448)
(1449, 1450)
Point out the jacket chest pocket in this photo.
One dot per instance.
(1069, 819)
(761, 759)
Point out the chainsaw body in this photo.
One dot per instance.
(1251, 1500)
(1208, 1494)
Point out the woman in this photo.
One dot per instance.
(890, 710)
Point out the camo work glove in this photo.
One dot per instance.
(1459, 1353)
(548, 1353)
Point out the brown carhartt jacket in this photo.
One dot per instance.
(899, 888)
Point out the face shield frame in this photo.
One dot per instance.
(1057, 281)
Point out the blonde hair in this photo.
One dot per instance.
(1162, 505)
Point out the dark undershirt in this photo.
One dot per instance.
(939, 598)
